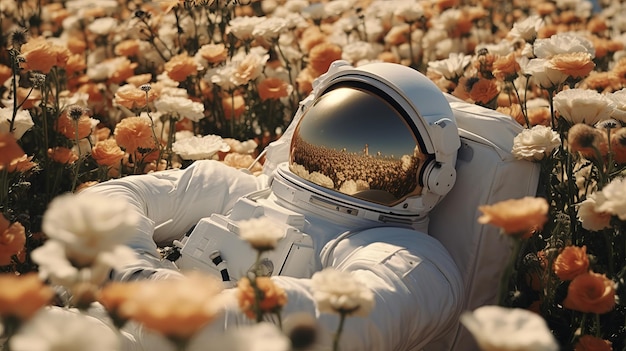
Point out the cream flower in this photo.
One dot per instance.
(199, 147)
(536, 143)
(614, 198)
(619, 100)
(249, 68)
(262, 336)
(242, 147)
(527, 28)
(561, 43)
(243, 26)
(270, 28)
(262, 233)
(22, 123)
(56, 328)
(103, 26)
(180, 107)
(88, 224)
(589, 215)
(498, 328)
(583, 106)
(543, 73)
(451, 68)
(341, 292)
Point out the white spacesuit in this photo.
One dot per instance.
(369, 154)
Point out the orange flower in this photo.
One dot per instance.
(238, 161)
(68, 127)
(516, 216)
(515, 111)
(571, 262)
(273, 297)
(128, 48)
(40, 55)
(133, 133)
(21, 164)
(484, 90)
(12, 240)
(140, 79)
(574, 64)
(76, 45)
(233, 106)
(125, 69)
(9, 149)
(180, 67)
(311, 37)
(62, 155)
(175, 308)
(107, 153)
(322, 55)
(590, 293)
(5, 73)
(273, 88)
(22, 296)
(585, 139)
(592, 343)
(305, 80)
(130, 96)
(114, 294)
(506, 67)
(213, 53)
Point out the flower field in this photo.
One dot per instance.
(103, 89)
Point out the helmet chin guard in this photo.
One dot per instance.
(383, 134)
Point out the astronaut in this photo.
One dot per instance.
(368, 155)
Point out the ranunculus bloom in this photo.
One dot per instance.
(21, 124)
(516, 216)
(506, 67)
(131, 96)
(107, 153)
(590, 217)
(585, 139)
(261, 232)
(133, 133)
(69, 127)
(213, 53)
(62, 155)
(592, 343)
(341, 292)
(273, 297)
(22, 296)
(174, 308)
(180, 107)
(12, 240)
(618, 145)
(199, 147)
(543, 73)
(88, 224)
(590, 293)
(9, 149)
(497, 328)
(575, 64)
(128, 48)
(180, 67)
(40, 55)
(322, 55)
(536, 143)
(121, 69)
(571, 262)
(583, 106)
(238, 161)
(273, 88)
(21, 164)
(484, 90)
(612, 198)
(249, 68)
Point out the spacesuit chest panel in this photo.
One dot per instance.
(215, 246)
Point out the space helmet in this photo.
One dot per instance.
(378, 140)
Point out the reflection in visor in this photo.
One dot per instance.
(355, 142)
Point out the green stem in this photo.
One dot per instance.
(337, 336)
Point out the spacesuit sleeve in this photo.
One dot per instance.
(417, 288)
(173, 201)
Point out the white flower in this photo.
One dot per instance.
(536, 143)
(543, 73)
(453, 67)
(619, 99)
(242, 27)
(262, 232)
(527, 28)
(249, 68)
(199, 147)
(55, 328)
(55, 265)
(270, 29)
(221, 76)
(314, 11)
(89, 223)
(614, 198)
(589, 216)
(562, 43)
(22, 123)
(583, 106)
(180, 107)
(358, 50)
(339, 291)
(409, 11)
(103, 26)
(242, 147)
(498, 328)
